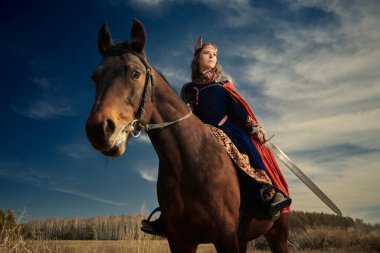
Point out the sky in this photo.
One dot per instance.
(309, 69)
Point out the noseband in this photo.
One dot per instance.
(136, 126)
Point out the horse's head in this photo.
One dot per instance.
(122, 82)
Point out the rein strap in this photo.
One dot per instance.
(148, 127)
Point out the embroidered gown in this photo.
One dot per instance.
(218, 107)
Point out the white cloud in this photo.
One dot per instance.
(17, 172)
(43, 83)
(45, 109)
(78, 150)
(308, 134)
(148, 3)
(148, 173)
(319, 88)
(175, 76)
(153, 7)
(235, 13)
(88, 196)
(50, 102)
(350, 181)
(319, 83)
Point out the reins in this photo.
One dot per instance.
(136, 126)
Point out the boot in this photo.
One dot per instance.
(274, 200)
(279, 202)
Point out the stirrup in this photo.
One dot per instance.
(149, 230)
(274, 208)
(153, 227)
(158, 209)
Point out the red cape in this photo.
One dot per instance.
(267, 156)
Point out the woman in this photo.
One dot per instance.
(216, 102)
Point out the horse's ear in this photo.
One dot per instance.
(104, 39)
(138, 36)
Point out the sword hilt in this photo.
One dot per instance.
(267, 140)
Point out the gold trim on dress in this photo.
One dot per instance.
(240, 159)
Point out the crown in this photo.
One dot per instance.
(198, 44)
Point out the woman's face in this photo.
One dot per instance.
(207, 58)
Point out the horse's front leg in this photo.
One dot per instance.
(243, 245)
(227, 240)
(179, 246)
(227, 244)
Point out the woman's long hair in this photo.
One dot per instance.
(195, 69)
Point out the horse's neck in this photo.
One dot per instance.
(182, 147)
(171, 142)
(168, 107)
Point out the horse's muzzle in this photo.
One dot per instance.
(100, 133)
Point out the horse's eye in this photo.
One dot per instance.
(135, 75)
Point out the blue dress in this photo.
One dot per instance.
(214, 106)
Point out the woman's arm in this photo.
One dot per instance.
(241, 117)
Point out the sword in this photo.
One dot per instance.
(305, 179)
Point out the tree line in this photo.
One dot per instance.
(121, 227)
(300, 221)
(308, 231)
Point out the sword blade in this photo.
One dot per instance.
(305, 179)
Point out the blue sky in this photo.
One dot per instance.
(310, 70)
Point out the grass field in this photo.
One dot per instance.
(123, 246)
(356, 238)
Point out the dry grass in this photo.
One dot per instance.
(135, 246)
(12, 240)
(352, 240)
(122, 246)
(311, 240)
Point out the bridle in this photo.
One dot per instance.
(136, 126)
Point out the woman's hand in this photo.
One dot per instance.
(254, 129)
(259, 134)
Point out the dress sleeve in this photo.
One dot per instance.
(187, 93)
(240, 115)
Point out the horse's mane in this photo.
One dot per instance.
(166, 80)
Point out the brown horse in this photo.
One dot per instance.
(201, 197)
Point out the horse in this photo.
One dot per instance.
(202, 196)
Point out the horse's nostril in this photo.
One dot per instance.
(109, 127)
